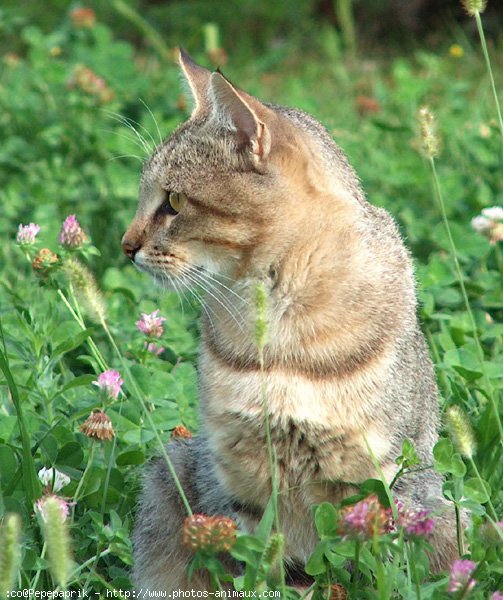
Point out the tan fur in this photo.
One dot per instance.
(272, 199)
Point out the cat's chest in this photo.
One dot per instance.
(317, 437)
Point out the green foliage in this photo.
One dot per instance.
(79, 107)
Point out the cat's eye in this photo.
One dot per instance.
(173, 203)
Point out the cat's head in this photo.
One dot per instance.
(230, 189)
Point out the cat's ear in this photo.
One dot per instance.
(198, 79)
(233, 111)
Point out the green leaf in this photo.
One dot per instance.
(70, 455)
(442, 453)
(71, 343)
(264, 528)
(325, 518)
(477, 490)
(131, 457)
(8, 462)
(78, 381)
(316, 564)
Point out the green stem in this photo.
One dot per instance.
(34, 582)
(483, 43)
(132, 382)
(459, 530)
(90, 460)
(153, 36)
(412, 563)
(139, 395)
(494, 515)
(32, 485)
(459, 274)
(354, 579)
(344, 12)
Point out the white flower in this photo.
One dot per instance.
(494, 213)
(481, 224)
(53, 478)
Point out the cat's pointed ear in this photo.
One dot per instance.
(235, 112)
(198, 79)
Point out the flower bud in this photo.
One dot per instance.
(201, 532)
(473, 7)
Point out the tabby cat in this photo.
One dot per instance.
(248, 192)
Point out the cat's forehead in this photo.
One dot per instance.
(194, 153)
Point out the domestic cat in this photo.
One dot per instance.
(247, 192)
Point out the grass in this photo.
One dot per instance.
(73, 142)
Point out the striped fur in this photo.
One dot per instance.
(271, 198)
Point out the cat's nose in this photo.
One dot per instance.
(130, 247)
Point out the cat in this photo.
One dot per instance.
(247, 192)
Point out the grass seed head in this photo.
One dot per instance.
(461, 432)
(473, 7)
(53, 513)
(87, 288)
(10, 552)
(428, 129)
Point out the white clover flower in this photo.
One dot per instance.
(53, 478)
(481, 224)
(493, 213)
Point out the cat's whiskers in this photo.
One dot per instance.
(128, 138)
(142, 160)
(153, 119)
(200, 276)
(204, 284)
(129, 123)
(213, 277)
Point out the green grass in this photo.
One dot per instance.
(71, 148)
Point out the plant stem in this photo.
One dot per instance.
(412, 563)
(153, 36)
(90, 460)
(344, 12)
(34, 582)
(354, 579)
(494, 515)
(459, 274)
(483, 43)
(139, 395)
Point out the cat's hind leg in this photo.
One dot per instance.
(161, 560)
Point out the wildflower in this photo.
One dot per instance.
(53, 479)
(460, 431)
(367, 105)
(71, 234)
(456, 51)
(460, 577)
(41, 507)
(10, 552)
(26, 234)
(417, 523)
(98, 425)
(497, 596)
(11, 59)
(44, 260)
(86, 80)
(180, 431)
(364, 519)
(338, 592)
(428, 129)
(83, 280)
(201, 532)
(473, 7)
(490, 224)
(154, 349)
(493, 213)
(151, 324)
(83, 17)
(110, 382)
(53, 512)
